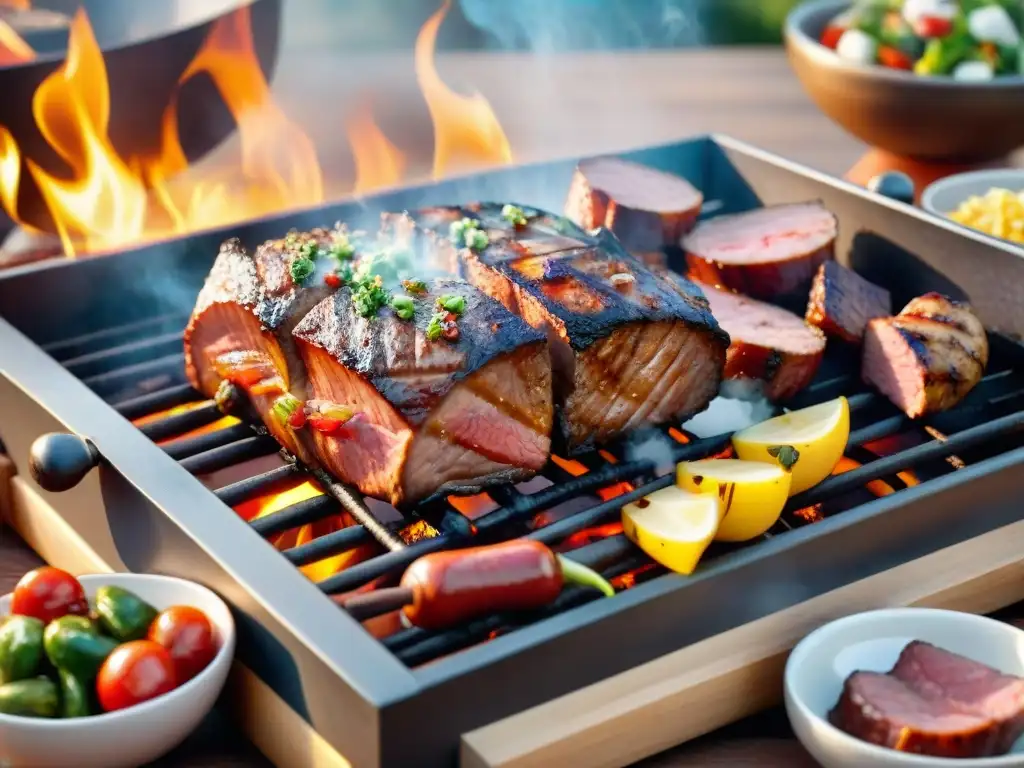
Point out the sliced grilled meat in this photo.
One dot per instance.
(240, 329)
(628, 350)
(842, 302)
(940, 675)
(767, 253)
(646, 209)
(769, 344)
(884, 710)
(432, 415)
(928, 357)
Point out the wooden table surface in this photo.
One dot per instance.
(551, 107)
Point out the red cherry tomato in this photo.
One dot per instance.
(188, 635)
(830, 37)
(135, 672)
(47, 594)
(894, 58)
(932, 26)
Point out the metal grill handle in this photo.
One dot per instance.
(59, 460)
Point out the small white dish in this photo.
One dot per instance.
(872, 641)
(944, 196)
(139, 735)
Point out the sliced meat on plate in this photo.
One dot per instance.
(240, 330)
(928, 357)
(628, 350)
(443, 402)
(769, 344)
(767, 253)
(645, 208)
(842, 302)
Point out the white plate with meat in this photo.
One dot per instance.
(909, 686)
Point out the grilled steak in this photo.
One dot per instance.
(449, 414)
(928, 357)
(240, 329)
(882, 709)
(646, 209)
(769, 344)
(628, 350)
(768, 253)
(975, 688)
(842, 302)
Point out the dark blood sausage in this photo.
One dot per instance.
(842, 302)
(628, 350)
(646, 209)
(768, 253)
(769, 344)
(928, 357)
(939, 675)
(240, 329)
(450, 588)
(882, 709)
(448, 415)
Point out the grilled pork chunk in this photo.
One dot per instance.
(769, 344)
(240, 330)
(448, 409)
(842, 302)
(646, 209)
(768, 253)
(628, 350)
(928, 357)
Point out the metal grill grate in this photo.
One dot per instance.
(138, 369)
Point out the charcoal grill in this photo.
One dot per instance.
(91, 346)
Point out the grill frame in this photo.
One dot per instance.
(139, 512)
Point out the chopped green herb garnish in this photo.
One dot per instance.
(466, 232)
(344, 273)
(403, 306)
(301, 268)
(436, 325)
(309, 250)
(342, 248)
(292, 239)
(368, 296)
(452, 303)
(478, 240)
(285, 406)
(786, 454)
(514, 215)
(416, 287)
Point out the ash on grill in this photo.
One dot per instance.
(573, 505)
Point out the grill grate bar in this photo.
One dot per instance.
(328, 545)
(180, 423)
(154, 402)
(241, 450)
(300, 513)
(192, 446)
(109, 337)
(109, 384)
(354, 505)
(250, 487)
(108, 360)
(908, 459)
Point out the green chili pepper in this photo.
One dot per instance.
(30, 698)
(74, 695)
(124, 615)
(581, 575)
(284, 406)
(76, 651)
(21, 648)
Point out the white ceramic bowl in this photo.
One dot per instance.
(944, 196)
(130, 737)
(872, 642)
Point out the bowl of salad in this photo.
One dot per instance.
(938, 80)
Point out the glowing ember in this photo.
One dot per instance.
(222, 423)
(473, 506)
(814, 513)
(467, 133)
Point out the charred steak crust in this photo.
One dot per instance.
(842, 302)
(621, 336)
(383, 346)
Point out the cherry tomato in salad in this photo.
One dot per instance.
(135, 672)
(932, 26)
(188, 635)
(830, 37)
(47, 594)
(894, 58)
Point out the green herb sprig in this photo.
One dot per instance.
(404, 307)
(514, 215)
(466, 232)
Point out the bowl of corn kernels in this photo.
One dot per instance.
(991, 202)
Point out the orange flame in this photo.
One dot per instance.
(13, 48)
(378, 162)
(221, 423)
(466, 131)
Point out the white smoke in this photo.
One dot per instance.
(740, 404)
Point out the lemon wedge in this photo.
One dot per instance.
(752, 493)
(809, 442)
(673, 526)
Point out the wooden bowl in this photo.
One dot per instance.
(926, 118)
